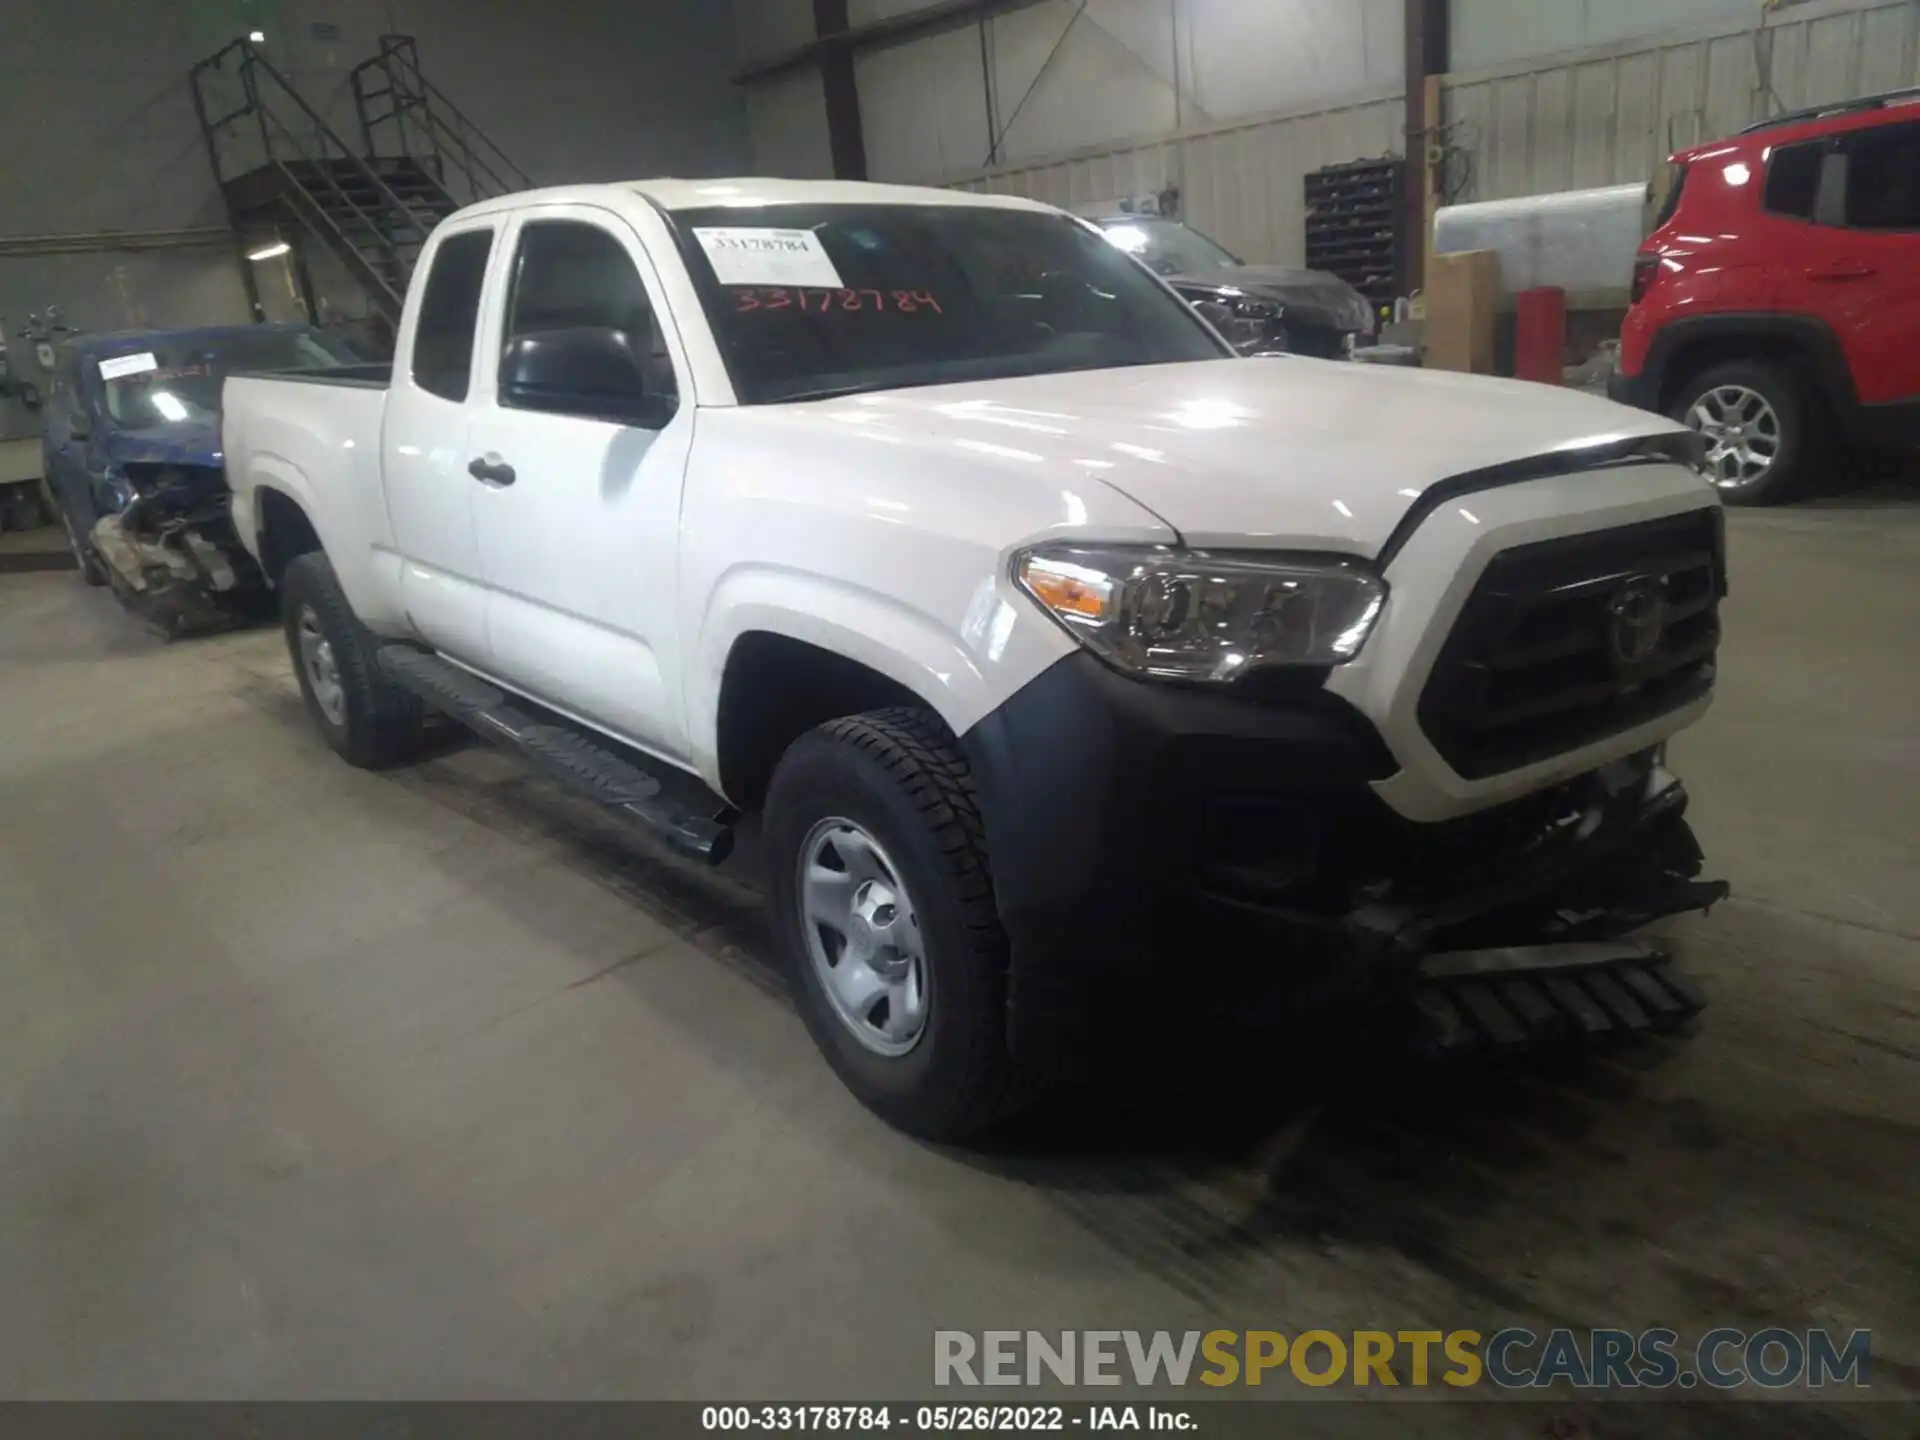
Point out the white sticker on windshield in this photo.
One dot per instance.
(121, 366)
(743, 255)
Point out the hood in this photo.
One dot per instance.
(1276, 453)
(1310, 295)
(188, 443)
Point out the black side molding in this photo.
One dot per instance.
(1680, 448)
(584, 762)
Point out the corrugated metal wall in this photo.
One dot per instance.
(1608, 115)
(1241, 183)
(1486, 33)
(1612, 116)
(1055, 76)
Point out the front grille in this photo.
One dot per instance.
(1559, 644)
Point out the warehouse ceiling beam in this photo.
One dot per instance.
(852, 39)
(1427, 26)
(846, 139)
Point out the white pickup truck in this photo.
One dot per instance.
(1096, 685)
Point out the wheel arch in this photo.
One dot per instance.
(1686, 348)
(282, 530)
(774, 688)
(849, 649)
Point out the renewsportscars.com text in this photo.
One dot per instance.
(1513, 1358)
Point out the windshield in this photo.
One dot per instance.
(175, 382)
(835, 299)
(1166, 247)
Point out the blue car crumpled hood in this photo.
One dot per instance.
(188, 443)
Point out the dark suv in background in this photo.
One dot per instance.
(1776, 306)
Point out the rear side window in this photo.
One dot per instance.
(1793, 179)
(1883, 178)
(1677, 182)
(449, 311)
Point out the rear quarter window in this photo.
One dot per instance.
(1676, 183)
(1793, 179)
(449, 310)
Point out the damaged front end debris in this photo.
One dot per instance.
(172, 555)
(1539, 953)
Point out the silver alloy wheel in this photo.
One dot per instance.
(323, 674)
(863, 937)
(1742, 433)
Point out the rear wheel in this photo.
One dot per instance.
(878, 869)
(1765, 436)
(367, 719)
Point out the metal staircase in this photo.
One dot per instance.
(286, 174)
(389, 91)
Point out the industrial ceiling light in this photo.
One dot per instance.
(270, 252)
(258, 37)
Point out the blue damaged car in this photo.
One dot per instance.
(133, 461)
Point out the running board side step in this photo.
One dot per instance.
(576, 758)
(1529, 995)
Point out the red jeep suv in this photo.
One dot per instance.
(1776, 306)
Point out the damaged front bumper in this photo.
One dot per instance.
(172, 555)
(1167, 861)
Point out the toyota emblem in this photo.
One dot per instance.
(1636, 622)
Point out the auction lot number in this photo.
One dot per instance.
(924, 1418)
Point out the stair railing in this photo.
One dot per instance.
(320, 158)
(420, 112)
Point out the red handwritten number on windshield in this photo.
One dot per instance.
(907, 302)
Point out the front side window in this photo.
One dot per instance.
(809, 301)
(449, 312)
(575, 286)
(1793, 179)
(1883, 178)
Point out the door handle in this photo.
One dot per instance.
(490, 470)
(1845, 270)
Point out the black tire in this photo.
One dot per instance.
(898, 775)
(1805, 443)
(382, 724)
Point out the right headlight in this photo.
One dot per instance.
(1184, 615)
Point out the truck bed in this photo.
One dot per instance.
(313, 436)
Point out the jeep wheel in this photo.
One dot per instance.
(1764, 433)
(886, 917)
(367, 719)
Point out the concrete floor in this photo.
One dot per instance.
(322, 1083)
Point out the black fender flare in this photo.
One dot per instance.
(1805, 334)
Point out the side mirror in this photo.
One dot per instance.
(587, 370)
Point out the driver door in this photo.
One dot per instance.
(578, 514)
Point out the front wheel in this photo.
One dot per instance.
(1765, 435)
(885, 910)
(367, 719)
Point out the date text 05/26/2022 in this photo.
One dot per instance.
(946, 1419)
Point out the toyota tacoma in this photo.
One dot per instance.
(1094, 684)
